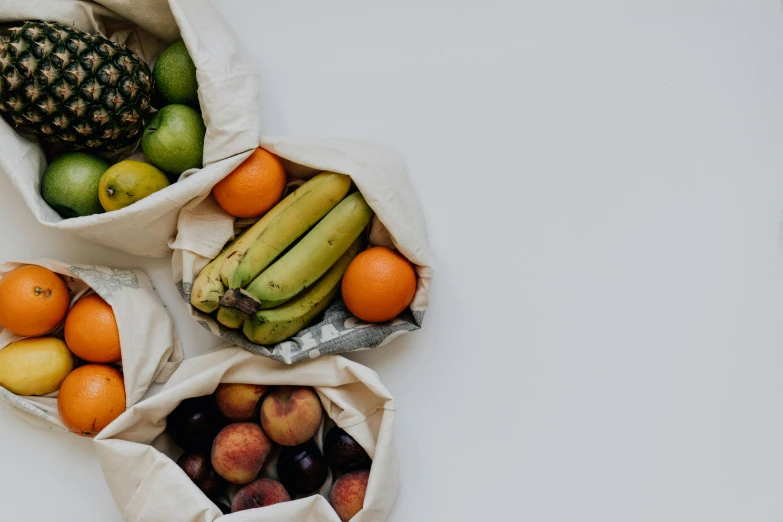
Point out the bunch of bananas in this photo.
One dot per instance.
(270, 282)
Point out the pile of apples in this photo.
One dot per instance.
(256, 446)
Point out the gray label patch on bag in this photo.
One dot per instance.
(106, 281)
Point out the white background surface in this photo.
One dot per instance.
(603, 183)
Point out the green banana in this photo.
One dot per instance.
(278, 324)
(208, 288)
(309, 259)
(231, 317)
(281, 226)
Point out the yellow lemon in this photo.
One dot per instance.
(35, 366)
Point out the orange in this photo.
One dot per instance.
(378, 285)
(33, 300)
(252, 188)
(90, 398)
(91, 330)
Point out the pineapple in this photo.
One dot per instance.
(69, 86)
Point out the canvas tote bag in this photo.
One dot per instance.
(382, 177)
(150, 348)
(229, 93)
(137, 456)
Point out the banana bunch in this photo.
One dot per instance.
(285, 269)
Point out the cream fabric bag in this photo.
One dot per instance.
(229, 93)
(150, 348)
(149, 486)
(381, 176)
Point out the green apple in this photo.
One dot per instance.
(175, 75)
(70, 184)
(174, 139)
(129, 181)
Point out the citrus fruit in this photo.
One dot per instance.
(34, 366)
(90, 398)
(33, 300)
(91, 330)
(378, 285)
(252, 188)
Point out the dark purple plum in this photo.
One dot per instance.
(198, 468)
(195, 423)
(302, 469)
(343, 453)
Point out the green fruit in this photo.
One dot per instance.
(315, 253)
(207, 289)
(35, 366)
(69, 86)
(231, 317)
(278, 324)
(281, 226)
(175, 75)
(174, 139)
(70, 184)
(129, 181)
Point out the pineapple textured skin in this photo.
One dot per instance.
(69, 86)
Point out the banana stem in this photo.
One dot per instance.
(240, 300)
